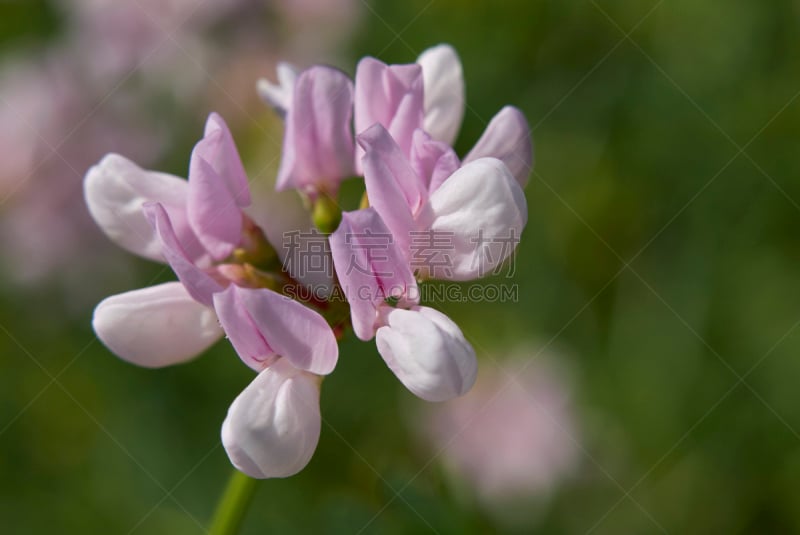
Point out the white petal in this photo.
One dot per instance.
(279, 96)
(444, 92)
(115, 190)
(428, 353)
(480, 211)
(156, 326)
(273, 427)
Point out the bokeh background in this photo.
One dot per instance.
(646, 380)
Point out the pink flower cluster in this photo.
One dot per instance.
(394, 125)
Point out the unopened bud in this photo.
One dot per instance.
(326, 213)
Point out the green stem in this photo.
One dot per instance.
(233, 504)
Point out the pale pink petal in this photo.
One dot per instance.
(241, 330)
(198, 283)
(218, 149)
(482, 211)
(444, 92)
(427, 352)
(407, 116)
(318, 142)
(115, 190)
(156, 326)
(393, 188)
(370, 268)
(263, 324)
(391, 95)
(273, 426)
(507, 138)
(213, 212)
(432, 160)
(372, 103)
(355, 276)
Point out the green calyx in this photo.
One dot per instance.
(326, 213)
(256, 250)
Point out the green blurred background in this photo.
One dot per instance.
(660, 266)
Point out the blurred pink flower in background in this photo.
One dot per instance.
(44, 228)
(129, 77)
(513, 437)
(29, 87)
